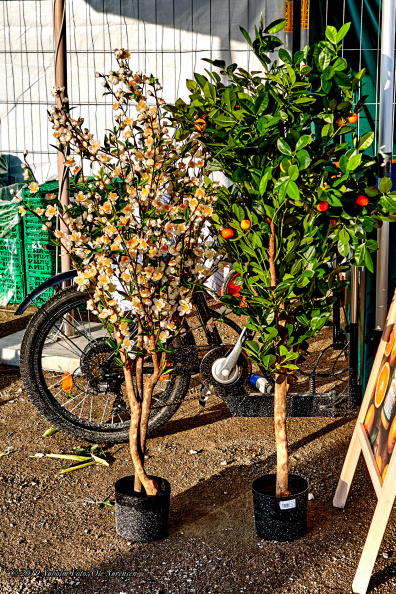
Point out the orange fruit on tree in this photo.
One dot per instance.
(353, 118)
(382, 384)
(245, 224)
(379, 463)
(322, 206)
(384, 473)
(392, 436)
(200, 124)
(227, 233)
(369, 420)
(340, 122)
(391, 340)
(362, 200)
(333, 222)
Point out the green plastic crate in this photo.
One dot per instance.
(33, 280)
(14, 233)
(40, 257)
(12, 288)
(11, 255)
(12, 278)
(32, 225)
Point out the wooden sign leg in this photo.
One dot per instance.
(348, 471)
(374, 538)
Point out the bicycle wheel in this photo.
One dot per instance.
(71, 378)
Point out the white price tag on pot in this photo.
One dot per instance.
(287, 504)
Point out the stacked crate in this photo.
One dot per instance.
(40, 253)
(12, 277)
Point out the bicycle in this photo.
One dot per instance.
(70, 375)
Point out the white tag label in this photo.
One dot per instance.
(287, 504)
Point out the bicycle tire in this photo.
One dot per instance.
(33, 376)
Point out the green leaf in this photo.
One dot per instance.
(224, 121)
(328, 73)
(303, 141)
(201, 80)
(261, 103)
(342, 32)
(354, 162)
(365, 141)
(246, 35)
(304, 160)
(264, 181)
(252, 345)
(284, 56)
(358, 77)
(331, 34)
(293, 172)
(343, 248)
(50, 432)
(275, 26)
(292, 190)
(342, 80)
(69, 457)
(340, 64)
(385, 185)
(284, 147)
(324, 59)
(326, 85)
(327, 130)
(291, 73)
(368, 261)
(239, 175)
(344, 236)
(360, 253)
(209, 91)
(229, 98)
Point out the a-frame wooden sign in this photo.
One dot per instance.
(375, 437)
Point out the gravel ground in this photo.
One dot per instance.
(52, 523)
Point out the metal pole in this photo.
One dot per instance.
(289, 26)
(385, 143)
(61, 81)
(353, 336)
(304, 27)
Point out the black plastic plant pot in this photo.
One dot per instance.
(140, 518)
(280, 518)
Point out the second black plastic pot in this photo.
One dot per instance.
(280, 518)
(140, 518)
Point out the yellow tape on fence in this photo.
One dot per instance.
(289, 16)
(304, 14)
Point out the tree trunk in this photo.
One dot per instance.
(137, 455)
(282, 451)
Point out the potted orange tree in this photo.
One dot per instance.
(134, 226)
(300, 209)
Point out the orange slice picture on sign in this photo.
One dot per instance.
(67, 382)
(390, 343)
(382, 385)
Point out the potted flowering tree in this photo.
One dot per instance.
(302, 199)
(133, 232)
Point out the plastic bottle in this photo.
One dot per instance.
(259, 382)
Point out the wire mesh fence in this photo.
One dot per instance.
(168, 38)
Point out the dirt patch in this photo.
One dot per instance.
(51, 522)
